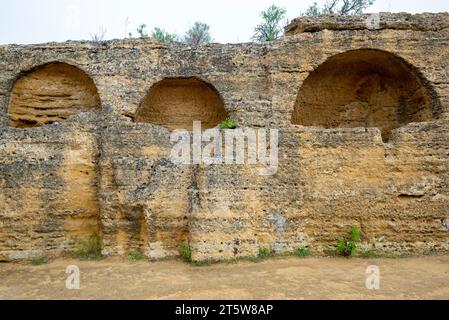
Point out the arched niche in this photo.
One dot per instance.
(364, 88)
(51, 93)
(176, 102)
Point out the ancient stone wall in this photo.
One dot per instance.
(364, 140)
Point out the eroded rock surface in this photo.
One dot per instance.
(176, 103)
(376, 21)
(106, 171)
(51, 94)
(364, 88)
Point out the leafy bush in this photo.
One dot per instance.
(185, 251)
(270, 29)
(198, 34)
(161, 35)
(347, 246)
(342, 7)
(228, 124)
(158, 34)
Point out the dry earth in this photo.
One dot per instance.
(280, 278)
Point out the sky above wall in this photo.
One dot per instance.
(231, 21)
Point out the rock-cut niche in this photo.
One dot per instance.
(363, 88)
(176, 102)
(51, 93)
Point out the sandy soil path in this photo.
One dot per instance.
(279, 278)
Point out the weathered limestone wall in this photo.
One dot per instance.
(49, 188)
(101, 172)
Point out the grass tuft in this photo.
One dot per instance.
(137, 255)
(263, 254)
(186, 253)
(302, 252)
(39, 261)
(88, 249)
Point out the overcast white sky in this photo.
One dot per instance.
(36, 21)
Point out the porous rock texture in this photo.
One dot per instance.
(375, 156)
(376, 21)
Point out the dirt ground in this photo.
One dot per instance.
(278, 278)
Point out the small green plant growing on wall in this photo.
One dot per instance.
(347, 247)
(186, 253)
(136, 255)
(302, 252)
(88, 249)
(141, 30)
(265, 253)
(228, 124)
(161, 35)
(39, 261)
